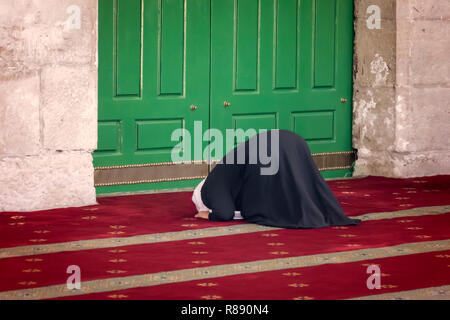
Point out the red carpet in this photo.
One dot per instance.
(335, 281)
(156, 213)
(160, 257)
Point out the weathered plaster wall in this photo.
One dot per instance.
(48, 103)
(402, 89)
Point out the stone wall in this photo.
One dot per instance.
(402, 89)
(48, 103)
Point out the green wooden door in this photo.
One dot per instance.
(284, 64)
(153, 66)
(257, 64)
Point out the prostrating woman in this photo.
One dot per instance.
(271, 180)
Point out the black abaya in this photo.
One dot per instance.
(296, 196)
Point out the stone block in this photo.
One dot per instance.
(19, 117)
(430, 52)
(373, 119)
(375, 55)
(402, 165)
(419, 164)
(378, 163)
(35, 33)
(47, 181)
(69, 108)
(423, 120)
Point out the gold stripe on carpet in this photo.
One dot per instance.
(414, 212)
(190, 234)
(432, 293)
(160, 278)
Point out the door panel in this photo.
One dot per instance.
(128, 49)
(283, 64)
(286, 45)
